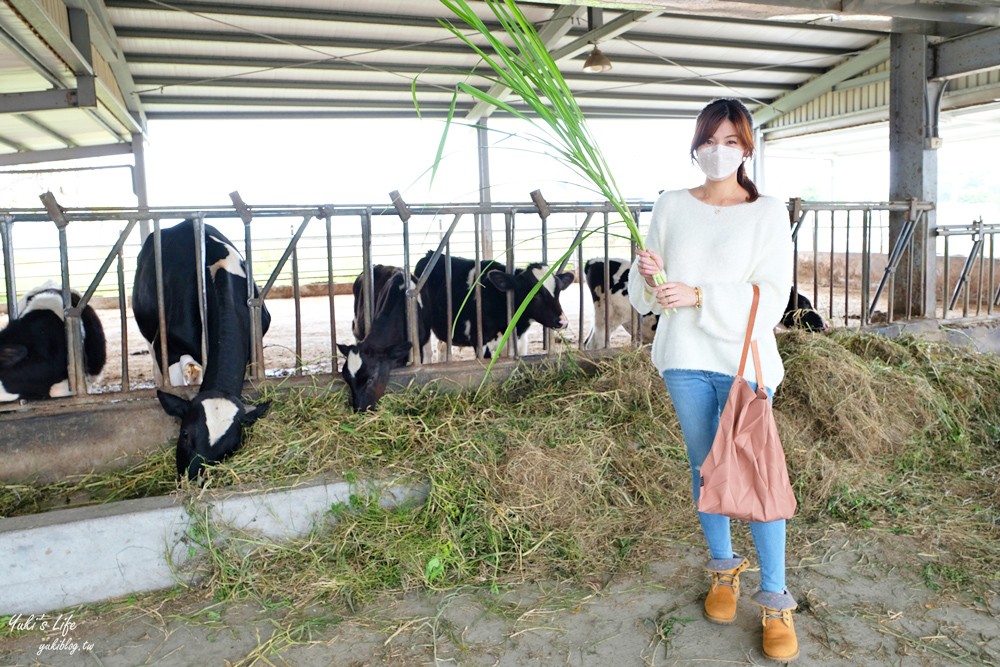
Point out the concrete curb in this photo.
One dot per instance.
(983, 335)
(91, 554)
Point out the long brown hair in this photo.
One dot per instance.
(709, 120)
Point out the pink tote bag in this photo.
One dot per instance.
(745, 475)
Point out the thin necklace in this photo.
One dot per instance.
(718, 208)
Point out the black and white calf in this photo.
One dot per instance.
(212, 422)
(368, 363)
(496, 282)
(33, 349)
(614, 305)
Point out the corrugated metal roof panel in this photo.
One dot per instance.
(869, 102)
(226, 58)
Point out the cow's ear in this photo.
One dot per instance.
(11, 354)
(501, 279)
(346, 349)
(175, 406)
(252, 413)
(564, 280)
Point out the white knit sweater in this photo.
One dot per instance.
(723, 251)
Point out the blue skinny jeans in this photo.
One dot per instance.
(698, 398)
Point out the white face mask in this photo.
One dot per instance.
(718, 161)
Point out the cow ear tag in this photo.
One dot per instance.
(253, 413)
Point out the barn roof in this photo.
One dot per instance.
(82, 77)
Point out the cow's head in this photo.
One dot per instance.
(211, 427)
(544, 306)
(366, 371)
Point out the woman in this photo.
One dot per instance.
(714, 242)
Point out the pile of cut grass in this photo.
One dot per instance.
(558, 472)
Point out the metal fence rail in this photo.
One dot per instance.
(842, 252)
(391, 234)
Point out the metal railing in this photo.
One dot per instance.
(854, 269)
(979, 268)
(391, 234)
(842, 251)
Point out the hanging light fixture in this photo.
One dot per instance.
(596, 62)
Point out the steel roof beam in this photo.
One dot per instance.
(283, 12)
(72, 52)
(276, 39)
(153, 81)
(75, 153)
(976, 12)
(754, 45)
(106, 41)
(551, 32)
(153, 114)
(42, 127)
(243, 102)
(617, 26)
(818, 28)
(946, 12)
(579, 45)
(340, 63)
(965, 55)
(595, 112)
(54, 37)
(10, 143)
(237, 103)
(405, 95)
(375, 107)
(42, 100)
(824, 83)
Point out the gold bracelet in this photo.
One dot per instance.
(697, 297)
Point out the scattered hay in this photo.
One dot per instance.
(861, 409)
(551, 487)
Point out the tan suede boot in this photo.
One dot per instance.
(720, 603)
(780, 642)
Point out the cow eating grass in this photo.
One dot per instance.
(387, 346)
(212, 422)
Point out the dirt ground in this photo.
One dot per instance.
(862, 602)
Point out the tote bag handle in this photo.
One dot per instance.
(747, 343)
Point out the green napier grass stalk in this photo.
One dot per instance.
(529, 71)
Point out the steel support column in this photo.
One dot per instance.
(913, 109)
(139, 181)
(485, 198)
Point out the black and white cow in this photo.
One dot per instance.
(212, 422)
(33, 350)
(368, 363)
(800, 314)
(496, 282)
(616, 303)
(380, 276)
